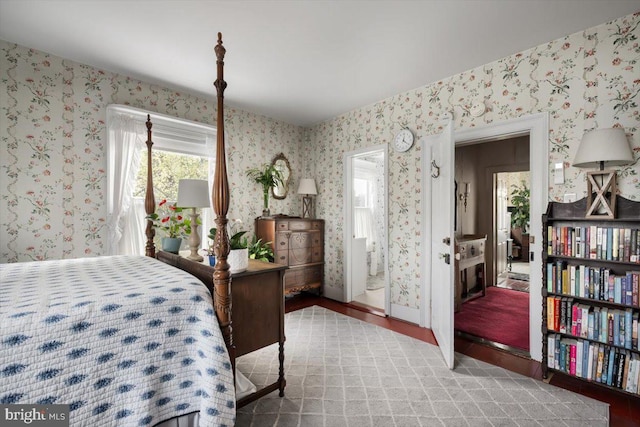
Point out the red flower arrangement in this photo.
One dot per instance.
(169, 219)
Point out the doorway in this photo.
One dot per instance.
(511, 228)
(498, 173)
(366, 283)
(440, 292)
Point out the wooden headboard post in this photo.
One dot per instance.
(220, 197)
(149, 198)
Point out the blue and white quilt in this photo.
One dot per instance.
(123, 340)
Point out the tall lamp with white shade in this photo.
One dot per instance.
(307, 188)
(600, 148)
(193, 193)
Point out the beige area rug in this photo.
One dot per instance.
(341, 371)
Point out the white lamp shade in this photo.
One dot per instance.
(603, 145)
(193, 193)
(307, 186)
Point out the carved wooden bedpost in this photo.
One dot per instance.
(149, 198)
(220, 197)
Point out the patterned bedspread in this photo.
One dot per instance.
(124, 340)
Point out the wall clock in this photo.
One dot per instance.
(403, 140)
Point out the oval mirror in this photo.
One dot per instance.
(281, 163)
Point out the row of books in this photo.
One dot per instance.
(593, 282)
(604, 243)
(596, 362)
(606, 325)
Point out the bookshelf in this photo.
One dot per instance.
(590, 295)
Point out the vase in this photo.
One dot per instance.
(265, 210)
(171, 244)
(211, 260)
(238, 260)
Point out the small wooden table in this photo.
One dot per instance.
(257, 316)
(470, 258)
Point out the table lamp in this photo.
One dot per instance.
(598, 148)
(193, 193)
(307, 188)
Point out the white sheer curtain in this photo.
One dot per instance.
(364, 227)
(125, 143)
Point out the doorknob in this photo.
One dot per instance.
(447, 257)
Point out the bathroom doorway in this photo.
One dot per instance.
(366, 283)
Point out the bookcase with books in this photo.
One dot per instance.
(590, 295)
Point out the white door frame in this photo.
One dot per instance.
(537, 126)
(348, 221)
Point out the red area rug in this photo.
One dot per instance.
(502, 316)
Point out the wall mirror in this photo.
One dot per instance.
(281, 163)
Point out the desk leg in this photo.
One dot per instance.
(281, 379)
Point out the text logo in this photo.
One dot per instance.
(34, 415)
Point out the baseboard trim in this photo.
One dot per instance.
(333, 292)
(408, 314)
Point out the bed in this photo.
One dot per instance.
(124, 340)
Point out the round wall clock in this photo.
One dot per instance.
(403, 140)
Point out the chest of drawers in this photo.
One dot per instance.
(299, 244)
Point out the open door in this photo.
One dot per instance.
(442, 240)
(502, 228)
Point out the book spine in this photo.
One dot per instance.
(613, 371)
(636, 284)
(579, 357)
(607, 365)
(609, 242)
(628, 289)
(557, 308)
(634, 332)
(628, 327)
(600, 364)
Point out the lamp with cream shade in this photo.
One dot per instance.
(193, 193)
(307, 188)
(600, 148)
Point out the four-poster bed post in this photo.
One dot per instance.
(258, 291)
(149, 199)
(220, 197)
(221, 291)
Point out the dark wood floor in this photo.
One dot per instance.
(624, 409)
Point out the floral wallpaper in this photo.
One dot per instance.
(53, 156)
(586, 80)
(53, 162)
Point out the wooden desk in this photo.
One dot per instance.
(470, 268)
(257, 309)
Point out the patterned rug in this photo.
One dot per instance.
(341, 371)
(501, 316)
(519, 276)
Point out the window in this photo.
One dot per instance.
(362, 192)
(181, 149)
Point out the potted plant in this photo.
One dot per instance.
(238, 257)
(520, 200)
(169, 219)
(268, 176)
(260, 250)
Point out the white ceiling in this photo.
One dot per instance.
(301, 61)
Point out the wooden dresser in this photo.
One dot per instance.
(299, 244)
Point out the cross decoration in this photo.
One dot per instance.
(604, 203)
